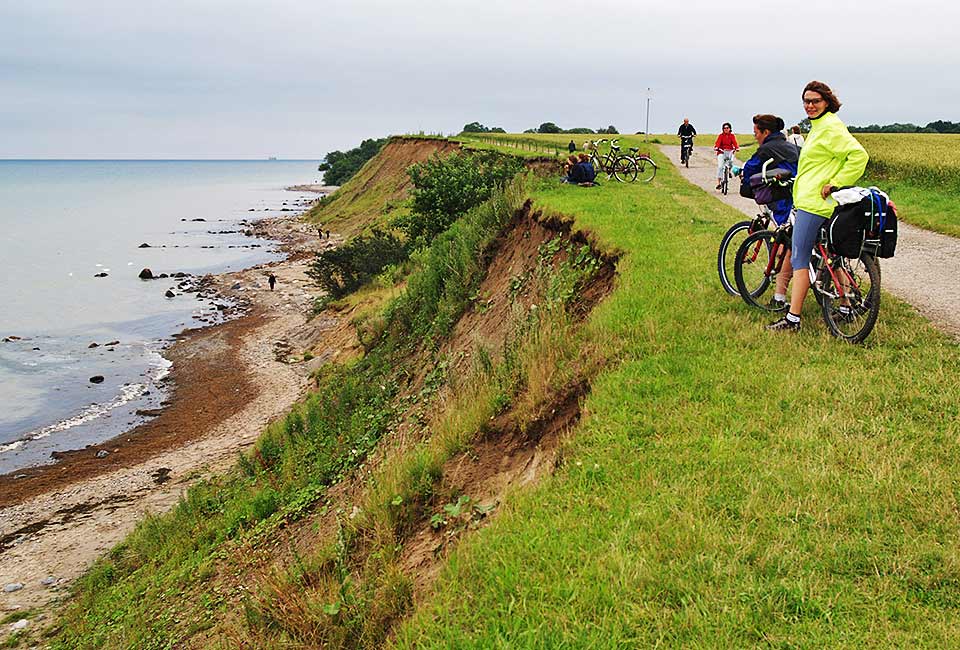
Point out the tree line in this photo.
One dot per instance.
(546, 127)
(940, 126)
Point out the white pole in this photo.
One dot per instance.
(646, 130)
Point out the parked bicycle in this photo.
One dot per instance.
(847, 289)
(613, 163)
(646, 168)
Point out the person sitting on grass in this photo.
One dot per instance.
(581, 171)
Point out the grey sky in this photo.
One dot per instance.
(296, 79)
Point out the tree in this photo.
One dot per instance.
(610, 129)
(340, 166)
(549, 127)
(475, 127)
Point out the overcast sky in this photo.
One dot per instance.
(238, 79)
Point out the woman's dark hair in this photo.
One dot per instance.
(584, 157)
(833, 104)
(767, 122)
(725, 125)
(796, 129)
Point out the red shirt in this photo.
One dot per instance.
(726, 142)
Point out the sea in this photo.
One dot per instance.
(63, 225)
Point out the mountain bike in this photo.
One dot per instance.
(731, 242)
(686, 149)
(613, 164)
(847, 289)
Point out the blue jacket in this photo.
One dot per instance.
(582, 172)
(785, 155)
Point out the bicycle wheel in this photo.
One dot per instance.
(625, 169)
(729, 246)
(850, 310)
(754, 257)
(725, 185)
(647, 169)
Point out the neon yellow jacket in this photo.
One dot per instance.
(829, 155)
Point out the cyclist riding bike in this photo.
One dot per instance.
(685, 131)
(774, 152)
(725, 146)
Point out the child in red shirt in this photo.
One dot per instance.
(725, 146)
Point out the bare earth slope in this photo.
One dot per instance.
(924, 273)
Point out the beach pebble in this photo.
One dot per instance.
(93, 345)
(103, 453)
(49, 581)
(144, 245)
(235, 286)
(96, 379)
(170, 294)
(100, 275)
(19, 625)
(113, 343)
(146, 274)
(12, 587)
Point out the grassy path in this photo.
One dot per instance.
(925, 271)
(700, 504)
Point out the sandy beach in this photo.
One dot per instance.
(228, 382)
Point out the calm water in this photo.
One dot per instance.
(62, 222)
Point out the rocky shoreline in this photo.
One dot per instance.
(228, 381)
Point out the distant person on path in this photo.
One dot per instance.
(795, 137)
(773, 147)
(831, 158)
(725, 146)
(572, 146)
(686, 130)
(272, 281)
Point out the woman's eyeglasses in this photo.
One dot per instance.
(812, 102)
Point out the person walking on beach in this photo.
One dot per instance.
(830, 158)
(272, 281)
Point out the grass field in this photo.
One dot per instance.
(728, 488)
(725, 488)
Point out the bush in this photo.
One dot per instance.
(446, 188)
(343, 270)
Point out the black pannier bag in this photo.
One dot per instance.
(865, 220)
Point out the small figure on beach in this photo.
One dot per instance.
(320, 230)
(272, 281)
(328, 234)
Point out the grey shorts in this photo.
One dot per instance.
(805, 230)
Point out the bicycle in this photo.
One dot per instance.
(730, 244)
(686, 149)
(646, 168)
(727, 170)
(847, 289)
(613, 164)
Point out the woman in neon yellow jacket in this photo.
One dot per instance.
(830, 158)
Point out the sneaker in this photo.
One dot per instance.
(777, 305)
(783, 325)
(718, 185)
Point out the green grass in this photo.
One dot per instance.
(727, 487)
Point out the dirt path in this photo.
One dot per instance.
(57, 520)
(924, 273)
